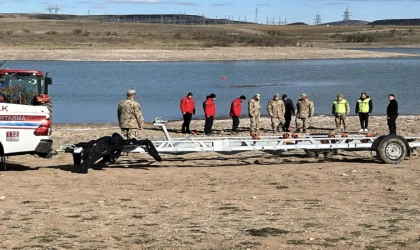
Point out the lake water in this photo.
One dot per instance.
(88, 92)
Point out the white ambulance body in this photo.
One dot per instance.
(24, 129)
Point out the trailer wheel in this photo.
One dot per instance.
(392, 150)
(312, 154)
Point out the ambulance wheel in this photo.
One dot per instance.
(392, 150)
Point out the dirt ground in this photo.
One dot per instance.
(216, 54)
(251, 200)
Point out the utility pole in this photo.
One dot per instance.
(318, 19)
(256, 15)
(346, 16)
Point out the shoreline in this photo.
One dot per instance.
(214, 54)
(222, 119)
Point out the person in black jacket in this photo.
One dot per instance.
(392, 113)
(290, 109)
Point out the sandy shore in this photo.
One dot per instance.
(251, 200)
(242, 53)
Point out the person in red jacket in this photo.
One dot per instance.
(188, 110)
(209, 112)
(235, 112)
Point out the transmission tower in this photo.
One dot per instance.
(53, 10)
(318, 19)
(346, 16)
(50, 9)
(256, 15)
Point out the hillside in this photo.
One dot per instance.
(37, 31)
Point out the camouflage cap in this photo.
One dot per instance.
(258, 96)
(131, 91)
(276, 95)
(340, 96)
(303, 94)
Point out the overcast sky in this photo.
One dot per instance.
(293, 10)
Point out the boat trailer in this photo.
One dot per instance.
(391, 149)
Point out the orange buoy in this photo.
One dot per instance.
(223, 77)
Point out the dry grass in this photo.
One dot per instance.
(25, 33)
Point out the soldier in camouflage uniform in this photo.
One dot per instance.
(254, 111)
(276, 111)
(304, 110)
(130, 116)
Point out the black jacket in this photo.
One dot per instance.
(392, 109)
(370, 105)
(290, 108)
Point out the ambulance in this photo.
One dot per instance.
(25, 113)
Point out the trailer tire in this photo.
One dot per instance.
(392, 150)
(312, 154)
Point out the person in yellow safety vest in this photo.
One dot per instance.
(340, 109)
(364, 107)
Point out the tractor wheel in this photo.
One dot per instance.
(392, 151)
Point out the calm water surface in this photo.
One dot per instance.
(88, 92)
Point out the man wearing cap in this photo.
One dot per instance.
(254, 112)
(130, 116)
(340, 109)
(289, 110)
(304, 111)
(188, 110)
(235, 112)
(276, 109)
(209, 112)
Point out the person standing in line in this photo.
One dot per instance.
(209, 112)
(289, 110)
(254, 112)
(130, 116)
(188, 110)
(364, 107)
(276, 110)
(304, 111)
(340, 109)
(235, 112)
(392, 114)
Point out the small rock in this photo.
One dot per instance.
(311, 238)
(101, 201)
(2, 197)
(389, 189)
(353, 171)
(344, 175)
(254, 197)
